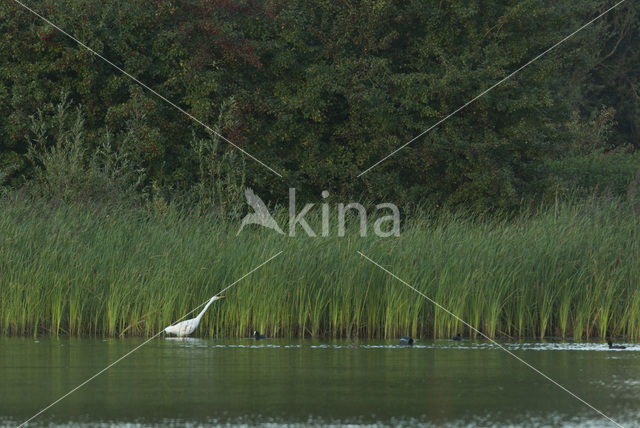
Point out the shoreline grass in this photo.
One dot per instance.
(569, 271)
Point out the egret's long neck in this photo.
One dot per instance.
(205, 309)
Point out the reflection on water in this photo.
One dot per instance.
(198, 382)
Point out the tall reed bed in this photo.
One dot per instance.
(571, 271)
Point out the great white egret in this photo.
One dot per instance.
(186, 327)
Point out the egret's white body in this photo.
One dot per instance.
(186, 327)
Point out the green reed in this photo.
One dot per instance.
(571, 271)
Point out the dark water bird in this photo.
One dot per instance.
(457, 337)
(258, 336)
(406, 341)
(612, 346)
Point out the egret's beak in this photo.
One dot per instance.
(221, 297)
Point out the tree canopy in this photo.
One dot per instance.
(321, 90)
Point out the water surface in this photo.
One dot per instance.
(196, 382)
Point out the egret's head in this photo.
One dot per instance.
(218, 298)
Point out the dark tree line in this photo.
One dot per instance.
(320, 91)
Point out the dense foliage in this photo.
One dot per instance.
(569, 271)
(319, 91)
